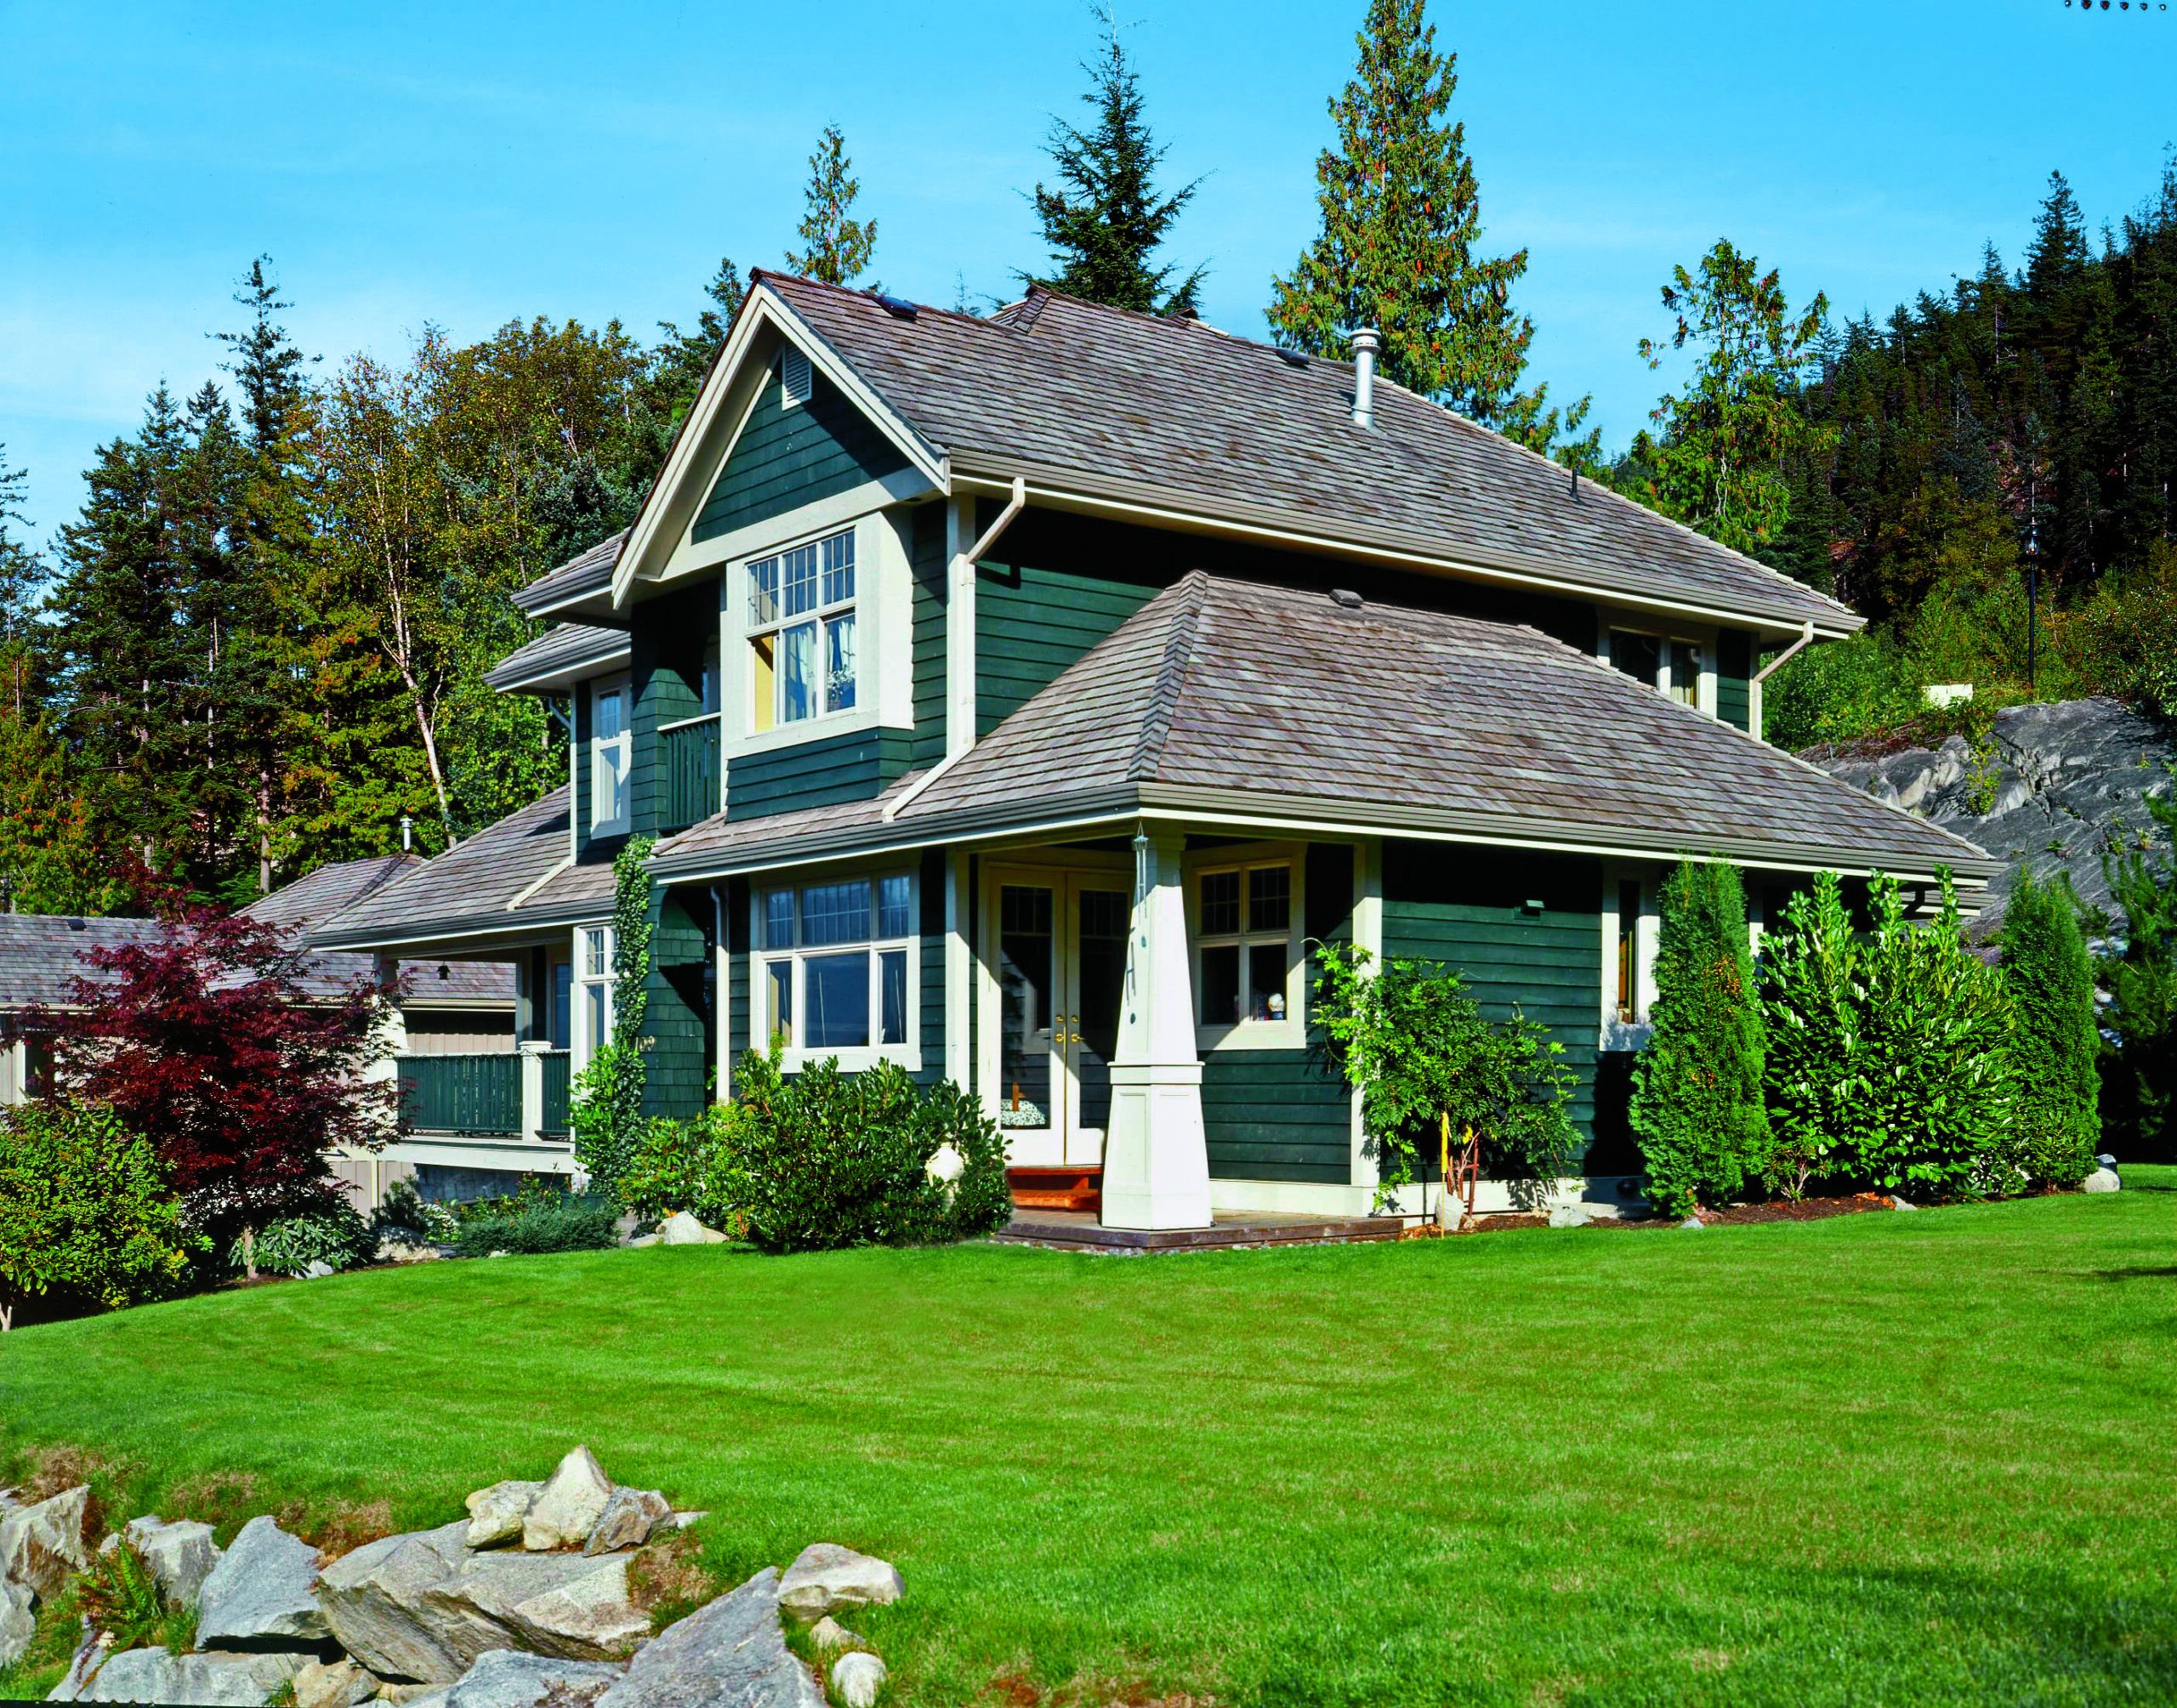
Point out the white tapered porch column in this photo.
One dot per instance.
(1156, 1161)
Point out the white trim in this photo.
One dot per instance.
(851, 1057)
(1367, 933)
(959, 628)
(1290, 1033)
(622, 686)
(524, 894)
(959, 970)
(760, 539)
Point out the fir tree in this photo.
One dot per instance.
(2055, 1045)
(264, 363)
(2142, 977)
(22, 570)
(1401, 224)
(836, 246)
(1698, 1105)
(1106, 220)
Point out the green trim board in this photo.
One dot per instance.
(826, 772)
(1468, 907)
(787, 455)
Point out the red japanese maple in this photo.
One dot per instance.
(239, 1062)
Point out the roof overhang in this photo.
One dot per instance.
(561, 674)
(715, 421)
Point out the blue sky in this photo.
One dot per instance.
(458, 164)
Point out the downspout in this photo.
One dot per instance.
(975, 554)
(1760, 676)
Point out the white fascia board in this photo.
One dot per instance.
(1058, 494)
(696, 452)
(754, 539)
(570, 674)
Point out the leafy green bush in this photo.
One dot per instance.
(1697, 1107)
(687, 1165)
(1412, 1039)
(403, 1215)
(1810, 1001)
(85, 1211)
(539, 1222)
(2055, 1043)
(1840, 692)
(336, 1235)
(2140, 1067)
(822, 1159)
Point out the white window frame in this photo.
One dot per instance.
(593, 973)
(602, 746)
(1704, 652)
(823, 615)
(762, 958)
(1291, 1032)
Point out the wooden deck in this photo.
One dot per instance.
(1078, 1230)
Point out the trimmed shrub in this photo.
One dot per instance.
(1812, 1051)
(822, 1158)
(1697, 1108)
(336, 1236)
(2055, 1043)
(687, 1165)
(85, 1210)
(535, 1223)
(2139, 1092)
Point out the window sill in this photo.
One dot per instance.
(852, 722)
(1252, 1035)
(853, 1059)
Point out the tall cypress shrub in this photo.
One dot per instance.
(2055, 1042)
(1814, 1055)
(1697, 1106)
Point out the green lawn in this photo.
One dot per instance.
(1885, 1458)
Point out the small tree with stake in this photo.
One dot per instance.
(204, 1038)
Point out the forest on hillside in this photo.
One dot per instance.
(261, 646)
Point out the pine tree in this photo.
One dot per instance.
(2055, 1042)
(1105, 221)
(22, 570)
(1402, 221)
(836, 246)
(2142, 976)
(1697, 1106)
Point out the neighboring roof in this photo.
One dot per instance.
(297, 910)
(579, 576)
(1177, 417)
(41, 954)
(514, 876)
(1228, 698)
(562, 655)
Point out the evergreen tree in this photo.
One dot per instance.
(836, 246)
(22, 570)
(1106, 220)
(1697, 1107)
(1721, 462)
(2141, 1069)
(2055, 1042)
(1402, 221)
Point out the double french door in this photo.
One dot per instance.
(1061, 938)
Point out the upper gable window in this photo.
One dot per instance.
(1671, 666)
(610, 751)
(801, 633)
(796, 378)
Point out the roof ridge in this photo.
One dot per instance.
(1190, 593)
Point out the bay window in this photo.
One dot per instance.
(801, 633)
(834, 967)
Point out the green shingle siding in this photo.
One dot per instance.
(824, 773)
(926, 559)
(677, 1066)
(1286, 1115)
(665, 668)
(931, 927)
(785, 457)
(1734, 664)
(1465, 907)
(1031, 623)
(736, 968)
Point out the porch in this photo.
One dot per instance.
(1083, 1230)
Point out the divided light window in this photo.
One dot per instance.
(1672, 666)
(801, 633)
(832, 963)
(592, 972)
(610, 753)
(1244, 944)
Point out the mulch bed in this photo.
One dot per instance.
(1806, 1210)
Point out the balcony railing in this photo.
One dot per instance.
(558, 1081)
(464, 1094)
(691, 772)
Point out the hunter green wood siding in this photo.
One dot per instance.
(665, 670)
(854, 767)
(1465, 907)
(578, 794)
(1734, 664)
(677, 1066)
(1286, 1115)
(930, 884)
(738, 1020)
(926, 558)
(785, 457)
(1031, 623)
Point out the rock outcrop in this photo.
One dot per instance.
(731, 1651)
(261, 1593)
(2050, 787)
(212, 1681)
(180, 1555)
(43, 1546)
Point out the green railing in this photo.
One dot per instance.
(691, 777)
(559, 1078)
(479, 1094)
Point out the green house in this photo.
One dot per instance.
(1015, 698)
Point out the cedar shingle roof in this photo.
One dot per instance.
(1224, 695)
(585, 573)
(41, 954)
(1174, 413)
(297, 910)
(566, 646)
(472, 887)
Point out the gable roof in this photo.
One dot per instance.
(513, 875)
(1227, 699)
(41, 954)
(1182, 420)
(297, 910)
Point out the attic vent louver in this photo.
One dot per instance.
(1345, 599)
(796, 380)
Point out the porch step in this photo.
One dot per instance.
(1043, 1187)
(1072, 1231)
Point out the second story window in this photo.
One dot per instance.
(801, 633)
(609, 754)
